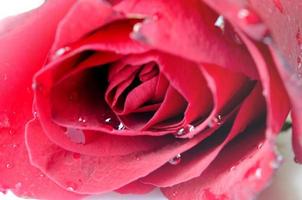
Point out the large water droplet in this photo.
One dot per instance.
(75, 135)
(249, 16)
(175, 160)
(4, 121)
(185, 130)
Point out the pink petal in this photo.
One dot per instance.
(18, 68)
(186, 28)
(91, 174)
(197, 159)
(240, 171)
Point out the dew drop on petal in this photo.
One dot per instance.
(175, 160)
(121, 126)
(108, 120)
(232, 168)
(258, 173)
(62, 51)
(260, 146)
(76, 156)
(185, 130)
(4, 121)
(18, 185)
(249, 16)
(75, 135)
(220, 23)
(9, 165)
(71, 187)
(298, 161)
(275, 164)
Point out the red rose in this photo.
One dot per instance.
(132, 95)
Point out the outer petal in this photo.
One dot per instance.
(92, 174)
(241, 170)
(191, 33)
(287, 51)
(16, 71)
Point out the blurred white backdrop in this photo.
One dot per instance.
(287, 183)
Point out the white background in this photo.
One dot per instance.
(286, 185)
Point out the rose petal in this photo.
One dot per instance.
(239, 172)
(16, 72)
(91, 175)
(205, 42)
(84, 17)
(196, 160)
(135, 187)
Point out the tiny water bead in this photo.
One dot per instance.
(82, 121)
(220, 23)
(175, 160)
(260, 146)
(9, 165)
(185, 130)
(258, 173)
(216, 121)
(4, 121)
(275, 164)
(62, 51)
(121, 126)
(71, 187)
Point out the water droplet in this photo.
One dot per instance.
(275, 164)
(258, 173)
(249, 16)
(185, 130)
(62, 51)
(237, 39)
(260, 146)
(71, 187)
(232, 168)
(297, 160)
(137, 27)
(14, 146)
(76, 155)
(174, 194)
(9, 165)
(82, 121)
(136, 33)
(11, 132)
(75, 135)
(4, 77)
(4, 121)
(108, 120)
(121, 126)
(42, 175)
(175, 160)
(299, 38)
(18, 185)
(278, 5)
(220, 23)
(216, 121)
